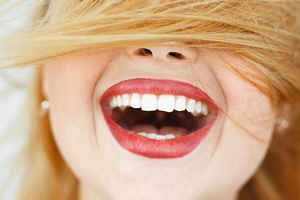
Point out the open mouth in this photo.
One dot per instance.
(158, 118)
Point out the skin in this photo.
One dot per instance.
(216, 169)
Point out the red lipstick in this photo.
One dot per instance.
(151, 148)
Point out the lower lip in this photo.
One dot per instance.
(164, 149)
(150, 148)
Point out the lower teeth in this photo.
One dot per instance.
(154, 136)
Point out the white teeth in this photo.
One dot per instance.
(114, 102)
(160, 137)
(142, 134)
(155, 136)
(151, 135)
(198, 107)
(190, 107)
(170, 136)
(149, 102)
(180, 103)
(152, 102)
(204, 109)
(126, 100)
(166, 103)
(119, 99)
(135, 101)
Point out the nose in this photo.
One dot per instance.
(166, 52)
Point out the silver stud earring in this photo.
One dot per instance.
(44, 107)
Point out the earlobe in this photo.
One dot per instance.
(44, 104)
(45, 82)
(282, 121)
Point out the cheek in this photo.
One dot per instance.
(71, 83)
(247, 108)
(248, 125)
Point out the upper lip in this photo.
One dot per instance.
(173, 148)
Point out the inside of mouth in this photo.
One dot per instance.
(158, 122)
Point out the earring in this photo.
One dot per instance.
(44, 107)
(281, 125)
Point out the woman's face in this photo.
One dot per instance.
(157, 122)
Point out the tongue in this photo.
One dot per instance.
(179, 131)
(144, 128)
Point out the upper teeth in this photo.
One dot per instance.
(152, 102)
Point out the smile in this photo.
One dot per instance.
(158, 118)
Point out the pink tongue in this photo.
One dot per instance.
(180, 131)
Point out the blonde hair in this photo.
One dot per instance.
(263, 33)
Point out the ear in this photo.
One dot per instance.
(285, 110)
(282, 121)
(45, 81)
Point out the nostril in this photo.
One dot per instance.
(176, 55)
(144, 52)
(167, 52)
